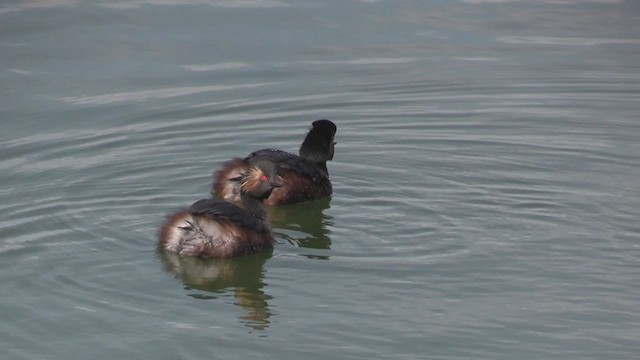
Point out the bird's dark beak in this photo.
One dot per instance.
(277, 182)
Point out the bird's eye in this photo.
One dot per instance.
(264, 178)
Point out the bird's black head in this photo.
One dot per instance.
(260, 180)
(318, 145)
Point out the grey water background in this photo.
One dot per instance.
(486, 178)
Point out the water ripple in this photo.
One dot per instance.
(143, 95)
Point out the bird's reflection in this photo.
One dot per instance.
(243, 275)
(303, 224)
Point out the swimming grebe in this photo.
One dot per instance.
(217, 228)
(305, 177)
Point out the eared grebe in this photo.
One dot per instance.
(216, 228)
(305, 177)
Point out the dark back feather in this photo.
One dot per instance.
(218, 209)
(295, 163)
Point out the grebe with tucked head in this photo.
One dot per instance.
(304, 177)
(216, 228)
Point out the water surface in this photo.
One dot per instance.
(485, 180)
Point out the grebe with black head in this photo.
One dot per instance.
(304, 177)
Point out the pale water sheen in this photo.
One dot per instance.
(486, 178)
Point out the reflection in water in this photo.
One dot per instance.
(306, 219)
(243, 275)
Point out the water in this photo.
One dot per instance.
(485, 181)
